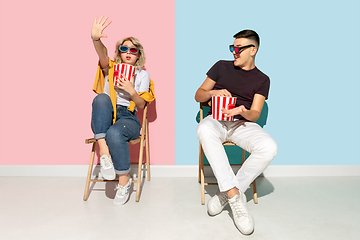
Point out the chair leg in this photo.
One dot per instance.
(202, 187)
(201, 161)
(254, 192)
(201, 177)
(147, 153)
(87, 186)
(140, 168)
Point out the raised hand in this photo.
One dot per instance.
(98, 28)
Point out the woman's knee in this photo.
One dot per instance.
(101, 99)
(113, 136)
(123, 131)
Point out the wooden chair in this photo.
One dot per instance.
(201, 161)
(143, 140)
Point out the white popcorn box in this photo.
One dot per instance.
(123, 69)
(219, 103)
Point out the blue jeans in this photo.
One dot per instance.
(126, 128)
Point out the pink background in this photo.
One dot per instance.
(47, 70)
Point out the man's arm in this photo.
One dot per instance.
(253, 114)
(205, 91)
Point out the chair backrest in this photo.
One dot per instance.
(144, 122)
(144, 130)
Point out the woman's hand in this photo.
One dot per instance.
(235, 111)
(126, 85)
(98, 28)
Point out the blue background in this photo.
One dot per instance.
(309, 49)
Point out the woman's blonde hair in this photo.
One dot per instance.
(139, 64)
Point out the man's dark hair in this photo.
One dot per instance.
(249, 34)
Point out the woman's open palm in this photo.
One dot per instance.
(98, 28)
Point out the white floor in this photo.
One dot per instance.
(289, 208)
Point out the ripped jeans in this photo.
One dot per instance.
(126, 128)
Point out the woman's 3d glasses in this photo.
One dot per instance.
(125, 49)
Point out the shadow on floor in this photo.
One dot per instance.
(110, 186)
(263, 187)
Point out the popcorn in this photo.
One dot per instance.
(123, 69)
(219, 103)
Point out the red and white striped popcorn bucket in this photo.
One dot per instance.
(123, 69)
(219, 103)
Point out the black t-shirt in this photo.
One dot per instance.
(243, 84)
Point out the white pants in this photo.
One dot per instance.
(249, 136)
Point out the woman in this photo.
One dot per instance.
(114, 121)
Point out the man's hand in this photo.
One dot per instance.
(220, 93)
(235, 111)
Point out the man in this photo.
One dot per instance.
(242, 79)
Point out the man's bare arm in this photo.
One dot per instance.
(253, 114)
(205, 91)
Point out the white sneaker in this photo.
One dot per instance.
(107, 168)
(122, 193)
(217, 203)
(242, 218)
